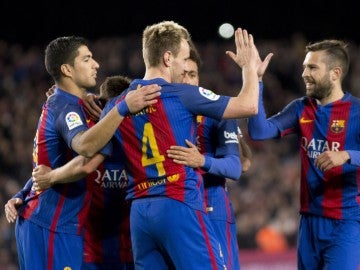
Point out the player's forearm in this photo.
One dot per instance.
(228, 166)
(249, 94)
(76, 169)
(245, 104)
(91, 141)
(354, 157)
(259, 128)
(25, 190)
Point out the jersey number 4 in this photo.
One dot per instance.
(150, 150)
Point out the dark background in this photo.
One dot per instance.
(37, 22)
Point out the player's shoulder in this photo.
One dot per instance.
(355, 100)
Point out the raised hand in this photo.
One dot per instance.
(246, 51)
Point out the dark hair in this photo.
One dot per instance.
(113, 86)
(194, 54)
(336, 51)
(62, 50)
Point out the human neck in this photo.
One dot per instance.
(73, 89)
(336, 94)
(155, 72)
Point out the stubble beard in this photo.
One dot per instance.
(321, 89)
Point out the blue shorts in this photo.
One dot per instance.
(165, 228)
(227, 236)
(330, 244)
(39, 248)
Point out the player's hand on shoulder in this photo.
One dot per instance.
(144, 96)
(93, 106)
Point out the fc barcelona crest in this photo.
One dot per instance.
(337, 126)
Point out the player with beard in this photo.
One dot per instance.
(326, 122)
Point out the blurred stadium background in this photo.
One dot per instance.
(266, 198)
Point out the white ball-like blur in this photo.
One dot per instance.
(226, 30)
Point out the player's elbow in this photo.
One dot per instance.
(256, 136)
(253, 110)
(88, 168)
(84, 149)
(86, 152)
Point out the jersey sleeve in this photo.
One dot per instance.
(278, 125)
(70, 122)
(354, 157)
(201, 101)
(25, 190)
(226, 161)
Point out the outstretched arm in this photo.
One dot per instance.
(89, 142)
(246, 57)
(221, 166)
(44, 177)
(259, 127)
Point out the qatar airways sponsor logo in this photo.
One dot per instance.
(230, 137)
(315, 147)
(116, 179)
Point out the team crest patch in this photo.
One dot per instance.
(208, 94)
(337, 126)
(73, 120)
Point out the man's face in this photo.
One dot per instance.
(316, 75)
(178, 63)
(85, 69)
(191, 73)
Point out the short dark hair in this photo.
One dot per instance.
(62, 50)
(194, 54)
(113, 86)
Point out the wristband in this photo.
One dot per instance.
(123, 108)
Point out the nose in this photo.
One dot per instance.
(305, 73)
(185, 78)
(96, 64)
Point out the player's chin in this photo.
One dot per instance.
(91, 83)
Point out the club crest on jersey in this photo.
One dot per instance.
(337, 126)
(73, 120)
(208, 94)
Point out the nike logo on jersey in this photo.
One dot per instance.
(305, 121)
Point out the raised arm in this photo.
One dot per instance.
(247, 58)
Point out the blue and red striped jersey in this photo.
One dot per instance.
(107, 225)
(334, 127)
(61, 208)
(146, 135)
(218, 139)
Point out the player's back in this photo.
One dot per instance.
(145, 137)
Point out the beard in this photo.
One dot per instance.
(321, 90)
